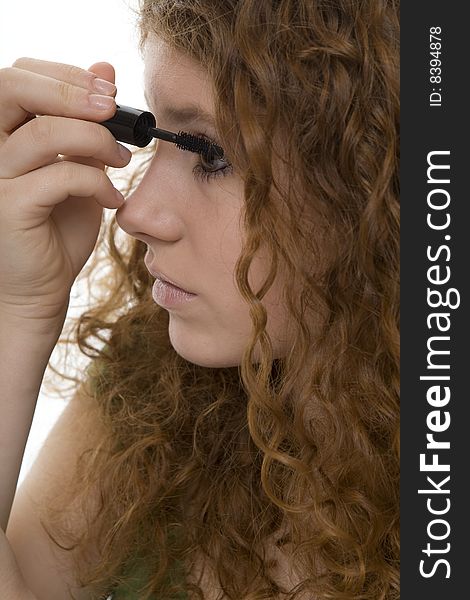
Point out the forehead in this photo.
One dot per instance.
(173, 77)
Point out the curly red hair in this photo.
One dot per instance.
(307, 444)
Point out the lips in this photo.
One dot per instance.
(163, 277)
(166, 280)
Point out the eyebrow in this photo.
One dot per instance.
(185, 115)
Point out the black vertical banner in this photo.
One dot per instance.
(435, 317)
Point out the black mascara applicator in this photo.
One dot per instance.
(138, 127)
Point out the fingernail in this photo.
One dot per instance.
(101, 102)
(120, 198)
(124, 152)
(104, 87)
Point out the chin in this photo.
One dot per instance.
(205, 352)
(208, 360)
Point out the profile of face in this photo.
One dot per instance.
(191, 221)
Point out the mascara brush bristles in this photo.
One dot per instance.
(187, 141)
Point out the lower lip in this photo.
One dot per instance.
(168, 296)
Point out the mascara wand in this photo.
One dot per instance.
(138, 127)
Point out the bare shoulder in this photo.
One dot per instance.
(45, 567)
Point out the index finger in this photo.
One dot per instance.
(25, 94)
(68, 73)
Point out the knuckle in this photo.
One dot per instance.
(102, 180)
(41, 129)
(67, 172)
(70, 169)
(100, 141)
(102, 137)
(95, 138)
(73, 73)
(45, 180)
(82, 173)
(65, 92)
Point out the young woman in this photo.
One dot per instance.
(238, 437)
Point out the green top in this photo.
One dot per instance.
(136, 581)
(137, 573)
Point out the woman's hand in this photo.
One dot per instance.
(51, 205)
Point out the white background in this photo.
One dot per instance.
(78, 33)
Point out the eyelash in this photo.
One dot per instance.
(199, 172)
(203, 174)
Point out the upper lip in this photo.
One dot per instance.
(163, 277)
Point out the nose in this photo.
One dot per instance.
(152, 210)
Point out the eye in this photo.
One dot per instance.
(211, 165)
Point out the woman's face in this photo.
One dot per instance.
(192, 226)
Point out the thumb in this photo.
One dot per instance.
(104, 70)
